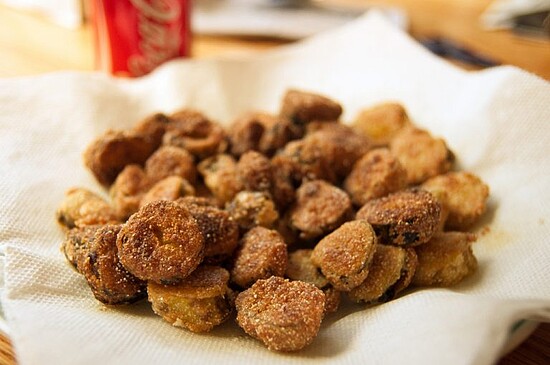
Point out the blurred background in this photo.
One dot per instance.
(38, 36)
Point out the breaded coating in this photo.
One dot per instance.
(320, 208)
(341, 147)
(422, 155)
(127, 191)
(381, 122)
(255, 171)
(375, 175)
(194, 132)
(257, 131)
(405, 218)
(282, 186)
(301, 268)
(302, 107)
(81, 207)
(304, 160)
(252, 208)
(107, 155)
(262, 253)
(170, 161)
(221, 177)
(110, 282)
(162, 242)
(465, 198)
(344, 255)
(199, 303)
(285, 315)
(445, 260)
(221, 233)
(153, 128)
(390, 272)
(76, 245)
(169, 188)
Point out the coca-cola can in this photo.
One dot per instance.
(132, 37)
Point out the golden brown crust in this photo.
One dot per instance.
(251, 208)
(169, 188)
(221, 177)
(81, 207)
(221, 233)
(255, 171)
(262, 253)
(320, 208)
(406, 218)
(162, 242)
(127, 191)
(302, 107)
(171, 161)
(76, 244)
(422, 155)
(382, 122)
(284, 315)
(465, 197)
(384, 271)
(198, 303)
(344, 255)
(152, 128)
(301, 268)
(194, 132)
(110, 282)
(107, 155)
(375, 175)
(257, 131)
(445, 260)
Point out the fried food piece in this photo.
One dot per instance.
(255, 171)
(465, 198)
(221, 177)
(303, 160)
(194, 132)
(252, 208)
(381, 123)
(221, 233)
(445, 260)
(422, 155)
(199, 303)
(259, 131)
(344, 255)
(405, 218)
(77, 244)
(170, 161)
(282, 186)
(162, 242)
(107, 156)
(153, 128)
(170, 188)
(391, 271)
(81, 207)
(127, 191)
(110, 282)
(341, 147)
(320, 207)
(302, 107)
(262, 253)
(301, 268)
(375, 175)
(285, 315)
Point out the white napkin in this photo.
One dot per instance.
(269, 18)
(496, 121)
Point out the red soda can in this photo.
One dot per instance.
(132, 37)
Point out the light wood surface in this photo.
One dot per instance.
(30, 45)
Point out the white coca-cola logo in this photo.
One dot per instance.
(158, 41)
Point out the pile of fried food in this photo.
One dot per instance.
(277, 217)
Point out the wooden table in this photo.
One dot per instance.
(31, 45)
